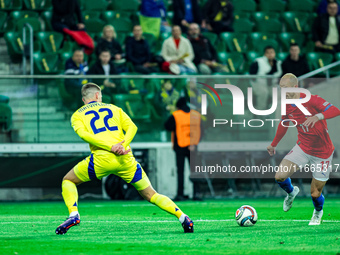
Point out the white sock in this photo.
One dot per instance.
(317, 212)
(72, 214)
(182, 218)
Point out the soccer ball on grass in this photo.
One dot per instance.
(246, 216)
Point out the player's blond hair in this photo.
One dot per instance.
(291, 78)
(89, 89)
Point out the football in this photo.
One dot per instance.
(246, 216)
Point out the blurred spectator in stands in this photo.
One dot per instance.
(168, 97)
(322, 8)
(186, 12)
(295, 63)
(265, 65)
(326, 30)
(67, 18)
(138, 52)
(76, 66)
(192, 94)
(108, 42)
(156, 9)
(205, 53)
(104, 66)
(185, 125)
(218, 16)
(178, 53)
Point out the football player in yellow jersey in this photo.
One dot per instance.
(102, 125)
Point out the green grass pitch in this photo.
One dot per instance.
(125, 227)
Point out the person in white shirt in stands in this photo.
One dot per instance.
(265, 65)
(178, 52)
(326, 30)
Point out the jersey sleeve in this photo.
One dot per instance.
(128, 126)
(322, 106)
(81, 130)
(280, 133)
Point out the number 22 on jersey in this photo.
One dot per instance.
(96, 117)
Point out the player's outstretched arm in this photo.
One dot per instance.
(280, 132)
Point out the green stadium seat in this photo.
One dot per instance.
(121, 37)
(34, 22)
(108, 16)
(91, 14)
(287, 38)
(133, 105)
(250, 58)
(242, 15)
(235, 41)
(244, 6)
(265, 15)
(121, 24)
(95, 5)
(261, 40)
(302, 5)
(38, 5)
(234, 61)
(164, 36)
(5, 117)
(14, 45)
(17, 15)
(14, 42)
(151, 40)
(212, 37)
(252, 55)
(282, 55)
(45, 63)
(94, 25)
(243, 25)
(265, 22)
(46, 16)
(10, 5)
(335, 71)
(4, 99)
(53, 42)
(318, 59)
(3, 21)
(272, 5)
(64, 56)
(297, 21)
(169, 16)
(132, 86)
(126, 5)
(67, 98)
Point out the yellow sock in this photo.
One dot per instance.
(166, 204)
(70, 195)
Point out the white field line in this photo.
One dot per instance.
(157, 221)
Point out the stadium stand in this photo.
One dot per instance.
(256, 25)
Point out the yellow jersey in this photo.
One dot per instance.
(102, 126)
